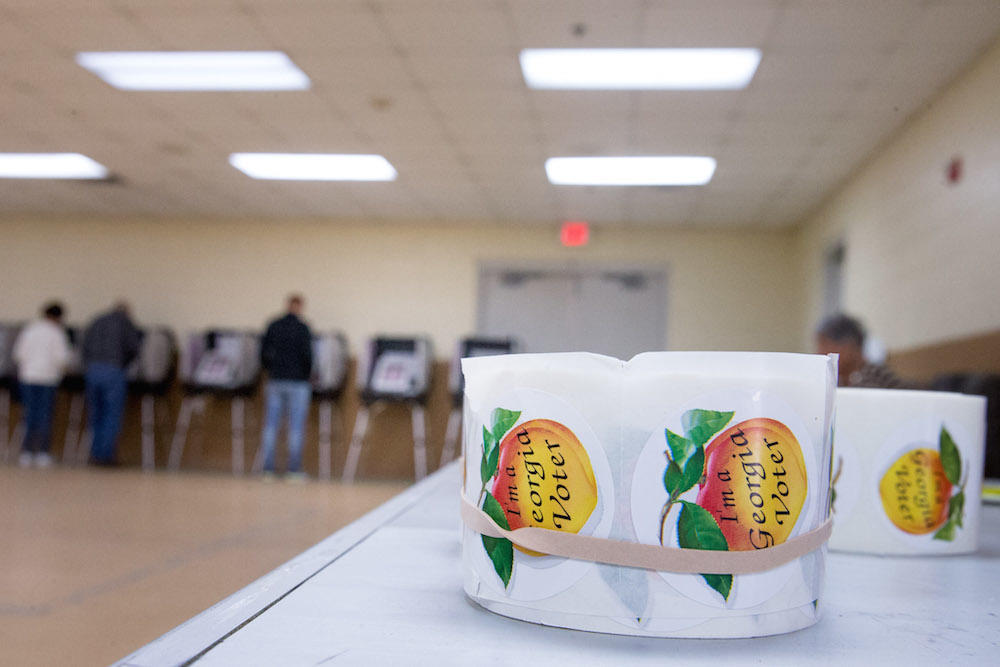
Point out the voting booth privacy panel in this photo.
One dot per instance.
(467, 347)
(76, 442)
(397, 370)
(331, 361)
(150, 376)
(219, 364)
(8, 382)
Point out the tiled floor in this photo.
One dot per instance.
(94, 563)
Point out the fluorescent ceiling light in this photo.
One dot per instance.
(314, 166)
(639, 69)
(195, 70)
(50, 165)
(660, 170)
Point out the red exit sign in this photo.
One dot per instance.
(574, 233)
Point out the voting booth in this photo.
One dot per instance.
(149, 376)
(219, 364)
(393, 370)
(467, 347)
(8, 382)
(76, 444)
(331, 358)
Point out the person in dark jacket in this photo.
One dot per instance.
(286, 355)
(110, 344)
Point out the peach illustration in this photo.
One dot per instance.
(916, 492)
(545, 478)
(755, 483)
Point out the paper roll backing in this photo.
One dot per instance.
(908, 468)
(692, 450)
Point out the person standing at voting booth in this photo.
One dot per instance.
(110, 344)
(40, 352)
(286, 355)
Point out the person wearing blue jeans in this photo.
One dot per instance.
(105, 393)
(110, 344)
(37, 400)
(285, 397)
(41, 352)
(286, 355)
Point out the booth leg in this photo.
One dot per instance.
(419, 442)
(83, 449)
(74, 427)
(188, 406)
(354, 452)
(451, 437)
(238, 409)
(258, 461)
(336, 428)
(325, 429)
(17, 440)
(148, 432)
(4, 425)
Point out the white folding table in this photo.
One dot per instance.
(386, 590)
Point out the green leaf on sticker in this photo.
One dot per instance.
(493, 460)
(946, 532)
(688, 462)
(673, 479)
(681, 449)
(723, 583)
(697, 529)
(499, 549)
(494, 510)
(491, 454)
(955, 508)
(700, 425)
(502, 421)
(951, 460)
(694, 468)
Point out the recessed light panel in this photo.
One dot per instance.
(646, 170)
(639, 69)
(195, 70)
(50, 165)
(314, 166)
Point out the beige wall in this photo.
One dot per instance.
(923, 256)
(726, 290)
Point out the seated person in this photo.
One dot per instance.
(845, 336)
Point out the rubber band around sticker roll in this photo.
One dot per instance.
(648, 556)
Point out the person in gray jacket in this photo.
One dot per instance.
(110, 344)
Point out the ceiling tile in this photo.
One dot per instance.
(88, 27)
(204, 28)
(839, 25)
(741, 24)
(463, 29)
(470, 72)
(333, 75)
(694, 106)
(576, 23)
(323, 27)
